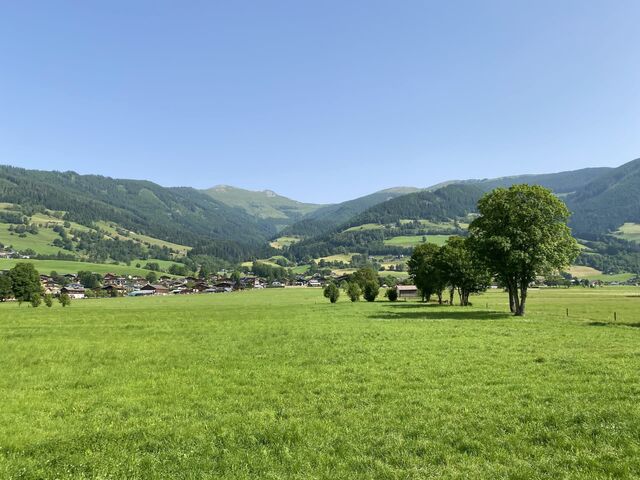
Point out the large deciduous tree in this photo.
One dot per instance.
(25, 282)
(522, 232)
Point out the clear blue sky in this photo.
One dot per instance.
(321, 101)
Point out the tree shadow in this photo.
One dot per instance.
(614, 324)
(425, 314)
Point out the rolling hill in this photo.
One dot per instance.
(265, 205)
(329, 217)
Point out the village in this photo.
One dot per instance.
(112, 285)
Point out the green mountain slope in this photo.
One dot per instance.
(330, 216)
(266, 205)
(560, 183)
(413, 214)
(183, 216)
(608, 202)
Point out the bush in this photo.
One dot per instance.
(332, 292)
(64, 300)
(354, 291)
(36, 300)
(48, 300)
(371, 290)
(392, 294)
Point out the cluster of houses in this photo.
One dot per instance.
(118, 285)
(8, 253)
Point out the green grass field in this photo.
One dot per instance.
(40, 243)
(413, 240)
(64, 266)
(282, 242)
(629, 231)
(282, 384)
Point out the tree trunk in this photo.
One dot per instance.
(512, 302)
(516, 300)
(451, 291)
(440, 297)
(523, 299)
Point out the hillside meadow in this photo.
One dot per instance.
(281, 384)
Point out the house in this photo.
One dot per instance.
(314, 282)
(155, 289)
(114, 290)
(225, 286)
(73, 291)
(407, 291)
(111, 279)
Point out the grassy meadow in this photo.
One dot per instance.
(67, 266)
(413, 240)
(282, 384)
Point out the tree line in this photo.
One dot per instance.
(521, 232)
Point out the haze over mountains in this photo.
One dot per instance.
(237, 224)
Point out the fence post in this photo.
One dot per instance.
(615, 316)
(567, 312)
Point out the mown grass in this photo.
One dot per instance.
(282, 384)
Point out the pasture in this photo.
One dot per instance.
(413, 240)
(281, 384)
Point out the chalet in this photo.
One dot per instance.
(314, 282)
(114, 290)
(407, 291)
(111, 279)
(155, 289)
(225, 286)
(73, 291)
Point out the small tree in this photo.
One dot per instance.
(392, 294)
(36, 300)
(371, 290)
(462, 270)
(64, 300)
(332, 292)
(48, 300)
(424, 268)
(354, 291)
(152, 277)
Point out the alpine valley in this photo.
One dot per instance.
(69, 218)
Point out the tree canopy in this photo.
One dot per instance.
(522, 232)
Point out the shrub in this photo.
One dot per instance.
(371, 290)
(332, 292)
(392, 294)
(354, 291)
(36, 300)
(48, 300)
(64, 300)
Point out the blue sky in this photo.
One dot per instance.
(321, 101)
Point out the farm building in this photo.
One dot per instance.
(75, 292)
(407, 291)
(155, 289)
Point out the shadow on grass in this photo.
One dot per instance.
(614, 324)
(428, 314)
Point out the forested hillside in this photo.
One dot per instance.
(328, 217)
(609, 201)
(180, 215)
(560, 183)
